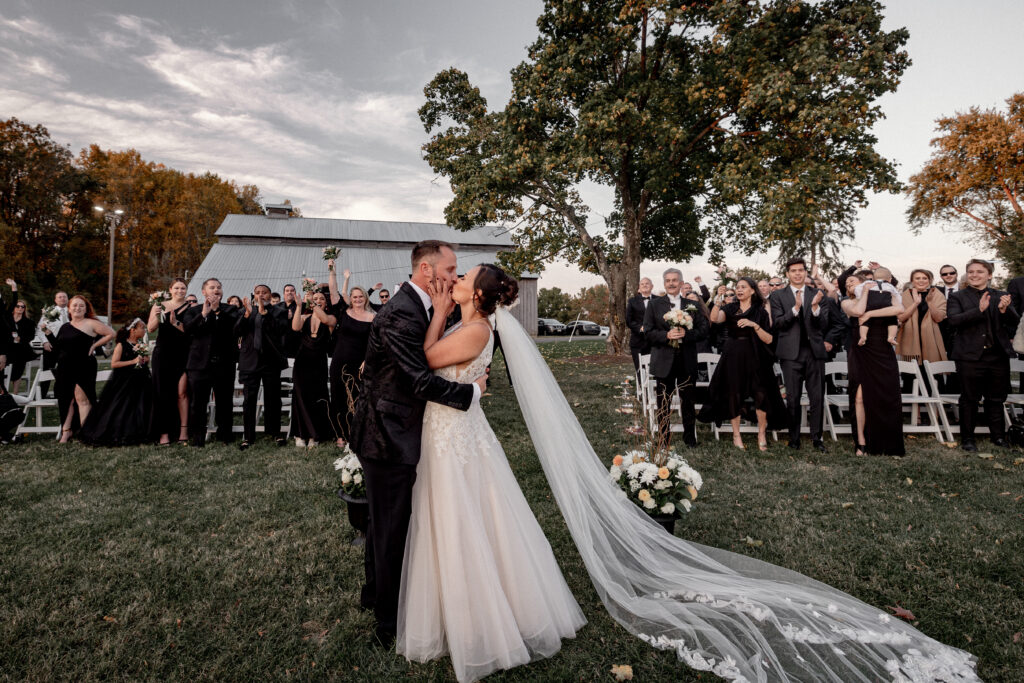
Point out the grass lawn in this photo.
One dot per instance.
(157, 563)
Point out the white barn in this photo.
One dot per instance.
(278, 249)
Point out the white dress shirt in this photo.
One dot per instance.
(803, 302)
(427, 304)
(676, 300)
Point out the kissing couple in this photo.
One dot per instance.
(456, 563)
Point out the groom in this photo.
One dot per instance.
(388, 424)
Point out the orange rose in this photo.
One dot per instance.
(617, 461)
(663, 473)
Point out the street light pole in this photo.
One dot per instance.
(112, 220)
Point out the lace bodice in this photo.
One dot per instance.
(475, 368)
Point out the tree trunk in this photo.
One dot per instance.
(617, 330)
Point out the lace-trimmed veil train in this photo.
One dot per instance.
(740, 618)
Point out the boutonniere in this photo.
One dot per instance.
(690, 308)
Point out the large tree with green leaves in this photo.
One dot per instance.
(974, 180)
(715, 124)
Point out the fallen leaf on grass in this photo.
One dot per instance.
(998, 466)
(1018, 461)
(112, 620)
(908, 481)
(847, 506)
(902, 613)
(622, 672)
(753, 542)
(1017, 637)
(950, 444)
(986, 456)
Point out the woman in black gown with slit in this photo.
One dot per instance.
(744, 383)
(75, 375)
(873, 371)
(123, 414)
(351, 336)
(170, 384)
(311, 407)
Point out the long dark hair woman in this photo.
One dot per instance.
(873, 372)
(744, 383)
(24, 331)
(123, 414)
(170, 384)
(76, 343)
(311, 407)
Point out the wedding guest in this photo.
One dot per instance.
(1016, 291)
(290, 300)
(352, 334)
(192, 300)
(836, 328)
(212, 355)
(311, 408)
(924, 309)
(234, 300)
(764, 289)
(384, 296)
(123, 414)
(60, 300)
(873, 372)
(23, 330)
(799, 321)
(275, 298)
(636, 307)
(75, 345)
(705, 295)
(170, 381)
(674, 356)
(261, 360)
(377, 287)
(985, 321)
(745, 370)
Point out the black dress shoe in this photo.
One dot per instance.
(819, 445)
(383, 638)
(1000, 441)
(281, 441)
(969, 445)
(244, 445)
(795, 445)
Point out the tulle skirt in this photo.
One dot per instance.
(480, 582)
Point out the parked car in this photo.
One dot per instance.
(582, 327)
(549, 326)
(604, 330)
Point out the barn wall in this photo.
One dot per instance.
(526, 311)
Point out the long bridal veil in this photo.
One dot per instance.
(735, 616)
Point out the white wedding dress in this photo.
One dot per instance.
(479, 582)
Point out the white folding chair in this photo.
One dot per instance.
(1014, 400)
(838, 371)
(919, 397)
(934, 371)
(38, 403)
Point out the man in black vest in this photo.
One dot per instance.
(212, 355)
(799, 321)
(261, 360)
(674, 356)
(984, 321)
(387, 427)
(636, 307)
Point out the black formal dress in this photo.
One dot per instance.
(744, 380)
(20, 352)
(636, 307)
(674, 367)
(800, 348)
(351, 337)
(982, 349)
(311, 408)
(123, 415)
(76, 367)
(874, 370)
(170, 355)
(387, 436)
(212, 355)
(260, 362)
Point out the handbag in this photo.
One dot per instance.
(1018, 339)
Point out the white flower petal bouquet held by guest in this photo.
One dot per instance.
(331, 254)
(351, 474)
(158, 299)
(677, 318)
(141, 349)
(51, 314)
(309, 285)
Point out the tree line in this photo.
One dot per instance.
(53, 238)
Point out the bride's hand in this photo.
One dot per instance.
(440, 296)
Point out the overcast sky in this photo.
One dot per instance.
(316, 100)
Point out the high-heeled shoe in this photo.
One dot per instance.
(859, 449)
(762, 446)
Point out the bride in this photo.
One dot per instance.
(480, 582)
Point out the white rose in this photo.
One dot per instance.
(616, 472)
(662, 485)
(668, 509)
(634, 485)
(346, 477)
(339, 463)
(650, 504)
(686, 505)
(357, 478)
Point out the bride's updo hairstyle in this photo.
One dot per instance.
(494, 288)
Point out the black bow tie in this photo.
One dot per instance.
(647, 298)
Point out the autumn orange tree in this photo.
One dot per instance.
(712, 123)
(974, 179)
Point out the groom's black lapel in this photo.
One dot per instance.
(414, 296)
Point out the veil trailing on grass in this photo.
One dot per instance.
(737, 617)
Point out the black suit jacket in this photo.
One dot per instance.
(635, 311)
(213, 338)
(838, 325)
(969, 323)
(787, 328)
(656, 331)
(1016, 291)
(272, 324)
(397, 383)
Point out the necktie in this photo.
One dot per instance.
(430, 314)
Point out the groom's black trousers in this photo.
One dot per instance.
(389, 493)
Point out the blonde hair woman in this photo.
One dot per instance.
(924, 307)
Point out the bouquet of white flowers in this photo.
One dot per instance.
(726, 275)
(158, 299)
(51, 314)
(141, 349)
(331, 254)
(664, 484)
(351, 474)
(679, 318)
(309, 285)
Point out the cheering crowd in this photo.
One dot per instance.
(164, 396)
(801, 320)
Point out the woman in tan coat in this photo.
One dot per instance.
(924, 307)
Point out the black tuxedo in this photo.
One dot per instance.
(800, 348)
(386, 434)
(982, 349)
(372, 306)
(638, 345)
(212, 354)
(1016, 291)
(674, 368)
(261, 359)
